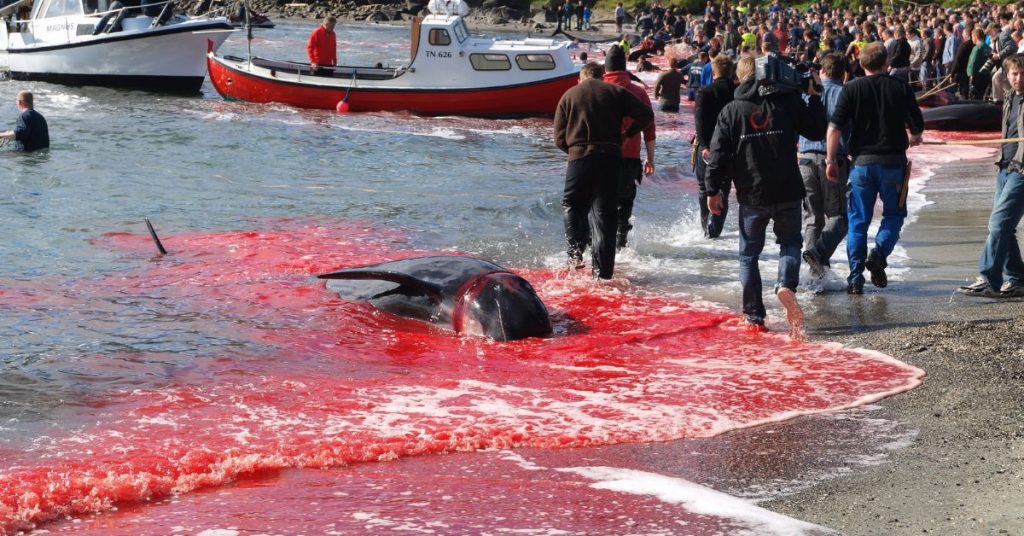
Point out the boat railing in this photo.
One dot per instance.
(109, 21)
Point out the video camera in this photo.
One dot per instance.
(779, 74)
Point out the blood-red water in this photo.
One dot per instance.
(300, 379)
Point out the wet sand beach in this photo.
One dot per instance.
(964, 471)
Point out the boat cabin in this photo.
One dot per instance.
(444, 51)
(62, 21)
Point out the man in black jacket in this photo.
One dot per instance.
(588, 127)
(710, 101)
(756, 138)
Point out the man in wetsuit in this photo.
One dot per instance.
(31, 132)
(322, 46)
(588, 126)
(666, 89)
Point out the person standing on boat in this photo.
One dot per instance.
(588, 127)
(322, 46)
(31, 132)
(633, 170)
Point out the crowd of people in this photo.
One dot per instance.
(928, 44)
(813, 159)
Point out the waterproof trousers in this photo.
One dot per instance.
(589, 209)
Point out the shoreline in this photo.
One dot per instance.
(964, 472)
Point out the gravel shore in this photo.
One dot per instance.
(964, 472)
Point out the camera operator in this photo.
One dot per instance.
(753, 144)
(825, 222)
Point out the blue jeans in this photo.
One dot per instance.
(1001, 255)
(753, 222)
(868, 183)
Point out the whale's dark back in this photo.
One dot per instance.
(472, 295)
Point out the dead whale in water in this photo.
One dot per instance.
(968, 116)
(471, 295)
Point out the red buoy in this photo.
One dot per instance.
(342, 107)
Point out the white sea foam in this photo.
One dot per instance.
(218, 532)
(748, 519)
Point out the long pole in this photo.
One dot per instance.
(248, 29)
(976, 142)
(939, 87)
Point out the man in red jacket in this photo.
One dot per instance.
(322, 46)
(633, 170)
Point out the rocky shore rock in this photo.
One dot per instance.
(487, 11)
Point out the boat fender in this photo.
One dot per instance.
(342, 107)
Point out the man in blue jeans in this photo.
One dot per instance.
(1000, 266)
(878, 110)
(754, 143)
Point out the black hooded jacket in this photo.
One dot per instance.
(755, 144)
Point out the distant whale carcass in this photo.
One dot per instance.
(968, 116)
(471, 295)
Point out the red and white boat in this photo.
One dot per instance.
(451, 72)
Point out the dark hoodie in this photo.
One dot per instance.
(755, 144)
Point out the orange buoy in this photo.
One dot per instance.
(342, 107)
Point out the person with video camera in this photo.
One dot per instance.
(754, 144)
(878, 110)
(825, 222)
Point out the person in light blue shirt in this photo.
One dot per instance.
(824, 207)
(953, 40)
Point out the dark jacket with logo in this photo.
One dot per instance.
(755, 144)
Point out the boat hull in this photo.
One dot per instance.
(170, 60)
(538, 98)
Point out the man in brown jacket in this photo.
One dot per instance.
(588, 127)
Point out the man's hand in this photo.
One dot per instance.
(314, 66)
(915, 139)
(648, 168)
(706, 154)
(715, 204)
(832, 171)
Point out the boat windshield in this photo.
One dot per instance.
(461, 32)
(46, 9)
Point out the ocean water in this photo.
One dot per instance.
(220, 389)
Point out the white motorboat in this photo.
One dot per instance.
(100, 42)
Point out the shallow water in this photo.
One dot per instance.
(127, 377)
